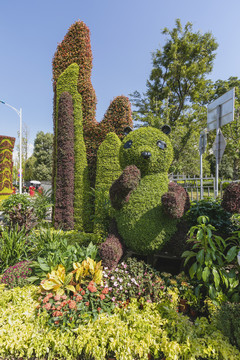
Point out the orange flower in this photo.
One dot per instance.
(87, 303)
(105, 291)
(79, 298)
(72, 304)
(99, 309)
(92, 288)
(102, 296)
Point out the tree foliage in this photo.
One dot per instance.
(178, 90)
(230, 164)
(43, 146)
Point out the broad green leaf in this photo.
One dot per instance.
(212, 292)
(200, 235)
(200, 256)
(205, 274)
(192, 270)
(216, 277)
(231, 254)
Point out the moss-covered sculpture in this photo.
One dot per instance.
(143, 222)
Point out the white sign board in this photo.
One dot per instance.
(226, 101)
(219, 145)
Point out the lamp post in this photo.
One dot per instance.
(19, 112)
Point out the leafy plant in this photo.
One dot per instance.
(209, 261)
(14, 247)
(88, 270)
(51, 248)
(57, 281)
(218, 217)
(227, 319)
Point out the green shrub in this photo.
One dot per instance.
(128, 334)
(209, 262)
(14, 247)
(227, 319)
(218, 217)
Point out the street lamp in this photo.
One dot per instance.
(19, 112)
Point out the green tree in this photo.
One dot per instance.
(43, 147)
(177, 84)
(29, 168)
(230, 164)
(177, 92)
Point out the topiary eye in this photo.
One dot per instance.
(161, 144)
(128, 144)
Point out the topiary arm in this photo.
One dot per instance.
(121, 188)
(176, 201)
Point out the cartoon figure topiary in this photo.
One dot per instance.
(147, 207)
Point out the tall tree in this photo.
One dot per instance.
(43, 147)
(178, 78)
(230, 164)
(178, 90)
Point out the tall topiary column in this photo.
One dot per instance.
(67, 83)
(64, 205)
(6, 165)
(108, 170)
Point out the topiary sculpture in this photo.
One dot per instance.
(146, 213)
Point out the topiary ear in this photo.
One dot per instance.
(166, 129)
(127, 130)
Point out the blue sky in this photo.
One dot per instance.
(123, 36)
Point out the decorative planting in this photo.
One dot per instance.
(64, 206)
(6, 165)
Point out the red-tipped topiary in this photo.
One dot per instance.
(76, 48)
(121, 188)
(64, 208)
(231, 198)
(176, 201)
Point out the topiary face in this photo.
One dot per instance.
(147, 148)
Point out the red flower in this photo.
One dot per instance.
(99, 309)
(83, 292)
(79, 298)
(102, 296)
(87, 303)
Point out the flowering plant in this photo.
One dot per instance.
(67, 311)
(135, 279)
(16, 275)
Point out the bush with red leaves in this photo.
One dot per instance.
(176, 201)
(231, 198)
(111, 251)
(64, 209)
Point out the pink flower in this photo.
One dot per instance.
(57, 297)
